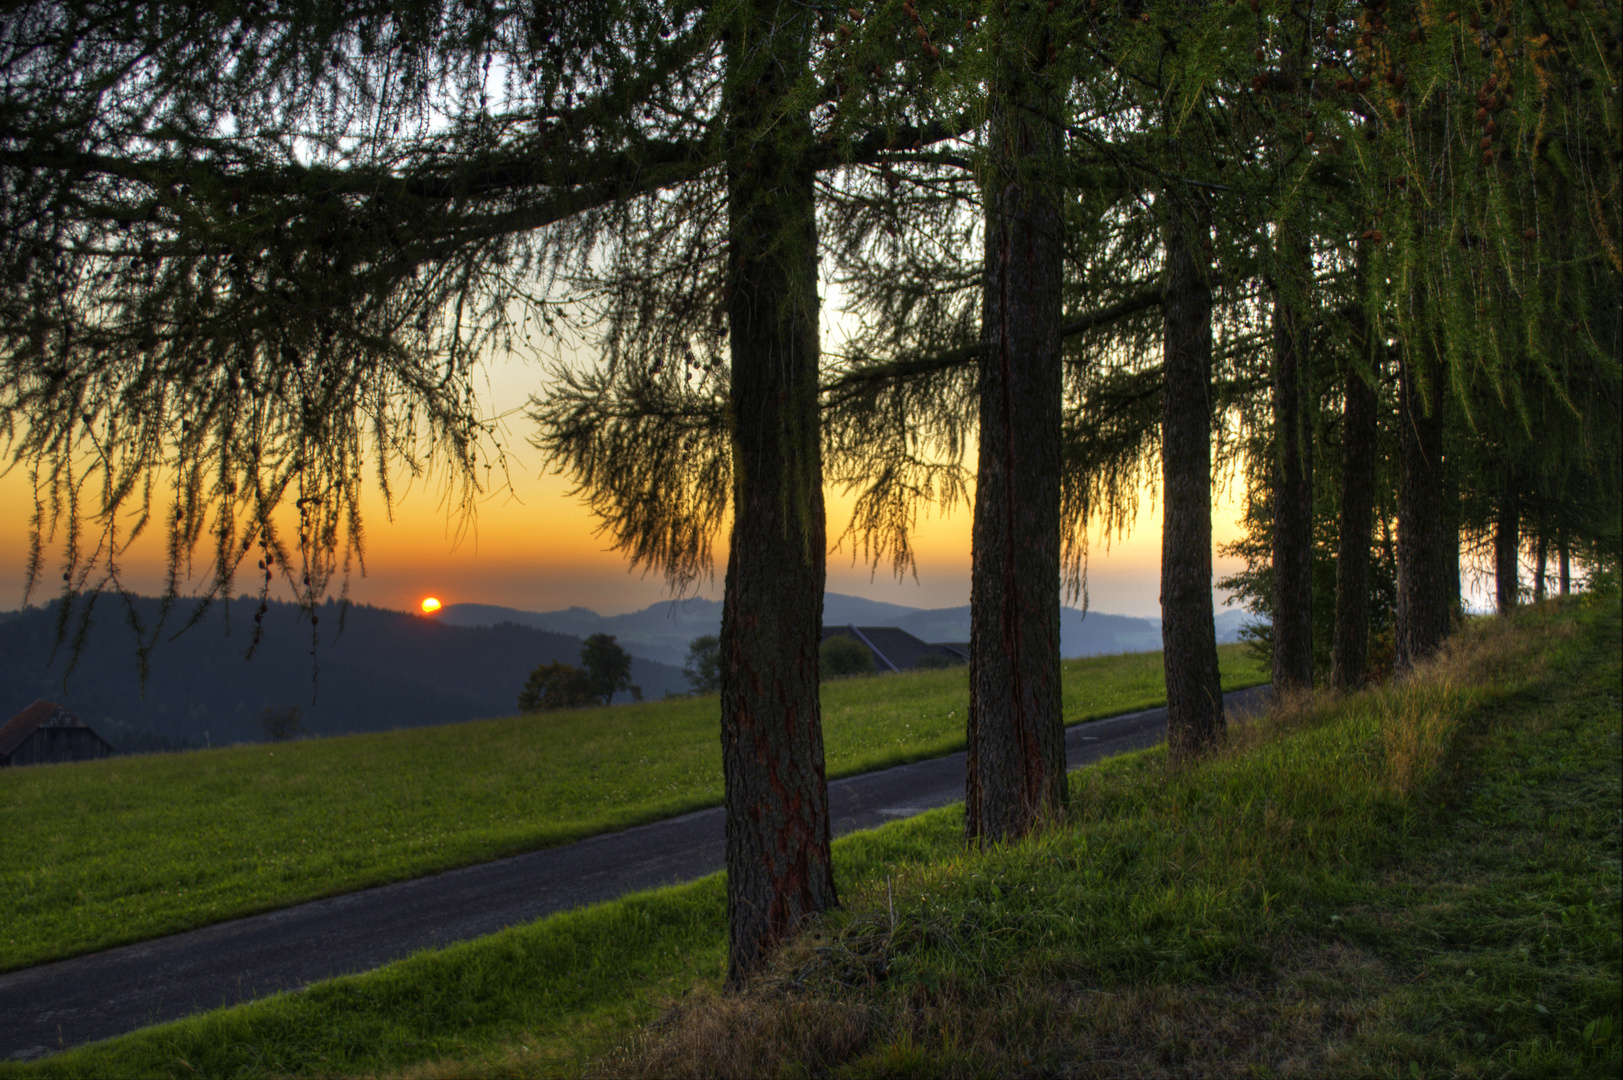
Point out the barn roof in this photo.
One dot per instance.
(895, 648)
(39, 714)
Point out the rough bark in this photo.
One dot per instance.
(1292, 474)
(779, 870)
(1422, 618)
(1566, 565)
(1507, 544)
(1543, 570)
(1349, 651)
(1195, 722)
(1016, 740)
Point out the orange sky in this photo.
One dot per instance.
(532, 547)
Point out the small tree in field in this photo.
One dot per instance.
(842, 655)
(282, 725)
(608, 668)
(702, 668)
(555, 686)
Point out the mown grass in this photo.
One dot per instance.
(1408, 882)
(126, 849)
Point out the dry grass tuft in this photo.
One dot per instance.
(1417, 732)
(761, 1032)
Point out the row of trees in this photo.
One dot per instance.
(1364, 249)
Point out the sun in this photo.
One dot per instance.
(430, 606)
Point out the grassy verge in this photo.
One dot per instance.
(1408, 882)
(1420, 881)
(102, 853)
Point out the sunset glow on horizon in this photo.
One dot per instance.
(535, 546)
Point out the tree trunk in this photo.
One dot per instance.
(779, 869)
(1195, 721)
(1543, 567)
(1507, 543)
(1292, 473)
(1291, 280)
(1349, 655)
(1566, 564)
(1016, 738)
(1422, 619)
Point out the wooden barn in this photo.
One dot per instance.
(46, 732)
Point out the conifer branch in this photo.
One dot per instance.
(870, 378)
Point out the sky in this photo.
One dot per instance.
(534, 547)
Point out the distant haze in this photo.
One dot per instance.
(662, 631)
(386, 669)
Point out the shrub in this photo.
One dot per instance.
(844, 655)
(282, 724)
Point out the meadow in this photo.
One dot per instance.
(130, 848)
(1416, 880)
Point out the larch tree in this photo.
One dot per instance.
(1292, 279)
(1015, 733)
(779, 866)
(254, 253)
(1498, 237)
(1466, 176)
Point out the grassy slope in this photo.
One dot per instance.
(1403, 883)
(130, 848)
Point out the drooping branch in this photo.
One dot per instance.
(868, 378)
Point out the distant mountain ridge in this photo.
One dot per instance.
(387, 669)
(662, 631)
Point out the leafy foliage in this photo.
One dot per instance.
(608, 668)
(703, 666)
(841, 655)
(556, 686)
(605, 670)
(282, 724)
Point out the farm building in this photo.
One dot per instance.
(46, 732)
(894, 649)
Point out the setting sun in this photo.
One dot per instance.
(430, 606)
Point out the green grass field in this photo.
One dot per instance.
(1409, 882)
(108, 852)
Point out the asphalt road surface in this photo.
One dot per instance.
(55, 1006)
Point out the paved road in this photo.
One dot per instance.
(55, 1006)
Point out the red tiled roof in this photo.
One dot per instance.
(39, 714)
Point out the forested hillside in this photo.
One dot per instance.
(372, 670)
